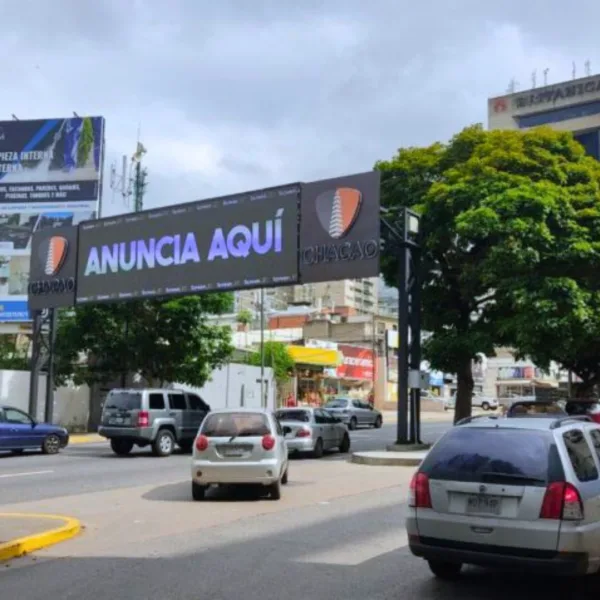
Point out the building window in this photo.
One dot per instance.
(560, 114)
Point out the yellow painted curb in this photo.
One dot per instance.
(15, 548)
(84, 438)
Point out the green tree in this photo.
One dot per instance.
(12, 356)
(277, 357)
(492, 203)
(244, 317)
(162, 340)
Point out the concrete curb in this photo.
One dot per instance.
(70, 528)
(388, 459)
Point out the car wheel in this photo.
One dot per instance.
(485, 405)
(186, 446)
(198, 491)
(318, 449)
(275, 490)
(121, 447)
(284, 479)
(352, 424)
(51, 444)
(345, 445)
(378, 422)
(164, 443)
(445, 570)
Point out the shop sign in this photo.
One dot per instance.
(357, 362)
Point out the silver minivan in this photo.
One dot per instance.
(159, 418)
(510, 493)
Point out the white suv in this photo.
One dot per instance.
(477, 400)
(514, 493)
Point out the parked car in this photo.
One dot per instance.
(582, 406)
(313, 430)
(152, 417)
(355, 413)
(514, 493)
(536, 408)
(477, 401)
(19, 431)
(240, 446)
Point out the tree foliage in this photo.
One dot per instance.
(277, 357)
(504, 214)
(162, 340)
(244, 317)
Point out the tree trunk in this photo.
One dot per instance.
(464, 391)
(585, 389)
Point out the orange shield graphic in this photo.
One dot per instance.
(338, 210)
(55, 255)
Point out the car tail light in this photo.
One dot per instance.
(595, 417)
(143, 419)
(303, 432)
(201, 443)
(268, 442)
(562, 501)
(419, 496)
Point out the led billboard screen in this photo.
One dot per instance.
(235, 242)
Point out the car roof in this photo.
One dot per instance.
(250, 411)
(532, 423)
(140, 390)
(305, 408)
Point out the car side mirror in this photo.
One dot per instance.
(287, 430)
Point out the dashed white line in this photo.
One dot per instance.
(29, 473)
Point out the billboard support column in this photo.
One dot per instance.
(52, 321)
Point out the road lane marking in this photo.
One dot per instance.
(25, 474)
(357, 551)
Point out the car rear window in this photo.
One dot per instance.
(293, 415)
(580, 455)
(338, 403)
(582, 408)
(124, 400)
(238, 424)
(494, 455)
(535, 409)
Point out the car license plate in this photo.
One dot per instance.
(117, 421)
(234, 451)
(483, 505)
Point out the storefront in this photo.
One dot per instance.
(313, 366)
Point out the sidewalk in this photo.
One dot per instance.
(85, 438)
(21, 533)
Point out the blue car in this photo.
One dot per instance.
(18, 432)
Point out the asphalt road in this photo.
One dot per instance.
(86, 468)
(350, 548)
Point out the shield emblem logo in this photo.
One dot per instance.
(338, 210)
(53, 253)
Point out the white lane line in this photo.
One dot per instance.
(355, 552)
(25, 474)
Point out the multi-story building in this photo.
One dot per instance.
(357, 295)
(568, 106)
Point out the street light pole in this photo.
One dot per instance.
(405, 241)
(262, 347)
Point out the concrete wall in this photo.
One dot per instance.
(71, 403)
(236, 385)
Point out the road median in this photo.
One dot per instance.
(24, 533)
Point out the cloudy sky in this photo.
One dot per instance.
(241, 94)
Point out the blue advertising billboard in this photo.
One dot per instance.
(50, 176)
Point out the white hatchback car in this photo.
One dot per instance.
(239, 447)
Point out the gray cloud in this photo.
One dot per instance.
(235, 95)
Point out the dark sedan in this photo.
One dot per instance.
(19, 432)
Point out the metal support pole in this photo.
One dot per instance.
(49, 412)
(403, 312)
(415, 350)
(262, 348)
(34, 371)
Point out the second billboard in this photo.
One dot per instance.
(231, 243)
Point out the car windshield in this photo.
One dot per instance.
(535, 409)
(124, 400)
(293, 415)
(486, 454)
(337, 403)
(236, 424)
